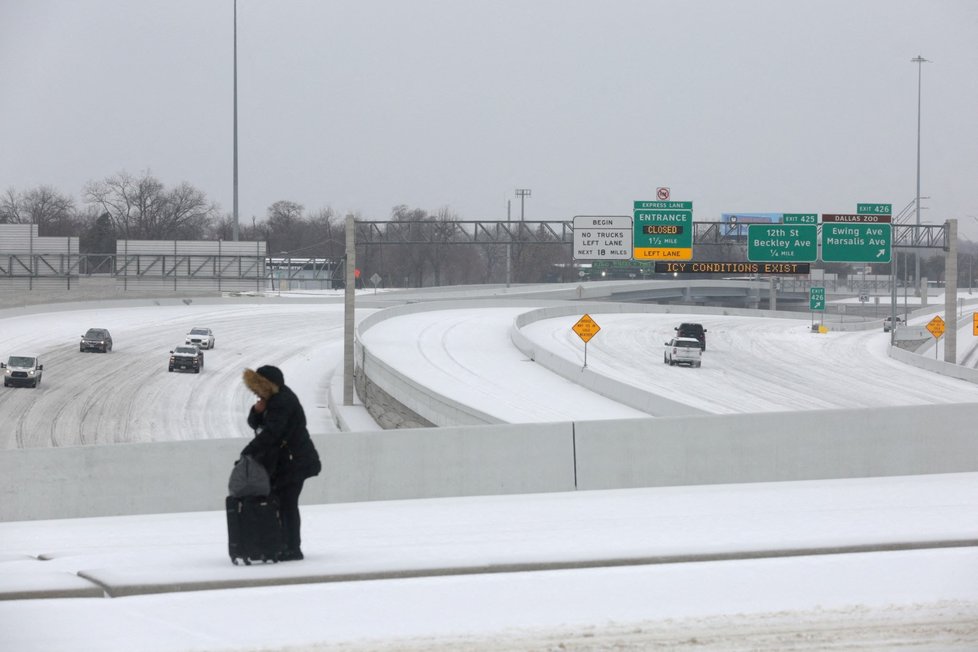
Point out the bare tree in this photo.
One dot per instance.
(141, 207)
(185, 213)
(53, 212)
(286, 226)
(10, 207)
(327, 232)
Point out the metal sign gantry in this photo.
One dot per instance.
(493, 232)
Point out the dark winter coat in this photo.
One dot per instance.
(282, 443)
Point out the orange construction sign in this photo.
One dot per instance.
(586, 328)
(936, 326)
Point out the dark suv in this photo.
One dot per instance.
(96, 339)
(689, 329)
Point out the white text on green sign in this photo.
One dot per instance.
(816, 299)
(856, 242)
(776, 242)
(874, 209)
(664, 205)
(662, 229)
(799, 218)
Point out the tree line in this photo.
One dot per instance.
(124, 206)
(140, 207)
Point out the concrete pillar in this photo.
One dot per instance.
(951, 293)
(349, 324)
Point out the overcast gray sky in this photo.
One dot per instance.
(361, 105)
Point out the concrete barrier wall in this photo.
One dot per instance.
(505, 459)
(922, 357)
(767, 447)
(165, 477)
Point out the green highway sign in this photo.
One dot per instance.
(856, 242)
(816, 299)
(799, 218)
(782, 242)
(663, 205)
(874, 209)
(662, 230)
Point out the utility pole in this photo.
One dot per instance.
(951, 292)
(920, 61)
(509, 245)
(522, 193)
(235, 228)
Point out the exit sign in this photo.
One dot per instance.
(782, 242)
(800, 218)
(856, 242)
(874, 209)
(816, 299)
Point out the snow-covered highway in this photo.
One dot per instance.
(751, 365)
(916, 595)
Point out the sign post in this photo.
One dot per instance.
(936, 328)
(586, 328)
(816, 302)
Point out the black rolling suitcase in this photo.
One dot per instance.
(254, 529)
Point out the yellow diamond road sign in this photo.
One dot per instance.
(586, 328)
(936, 326)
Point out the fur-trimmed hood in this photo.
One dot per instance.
(260, 384)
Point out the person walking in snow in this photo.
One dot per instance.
(282, 444)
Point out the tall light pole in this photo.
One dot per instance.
(919, 60)
(522, 193)
(235, 228)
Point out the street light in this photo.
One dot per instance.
(919, 60)
(522, 193)
(235, 226)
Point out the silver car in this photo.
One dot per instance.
(683, 350)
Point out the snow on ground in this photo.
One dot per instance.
(750, 365)
(128, 395)
(920, 599)
(654, 579)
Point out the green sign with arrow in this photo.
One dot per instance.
(816, 299)
(856, 242)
